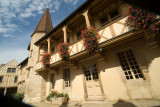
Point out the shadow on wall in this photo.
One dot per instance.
(122, 103)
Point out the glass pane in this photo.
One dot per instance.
(9, 70)
(14, 70)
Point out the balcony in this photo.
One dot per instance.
(119, 27)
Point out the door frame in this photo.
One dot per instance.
(89, 62)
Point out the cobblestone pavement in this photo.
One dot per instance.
(141, 103)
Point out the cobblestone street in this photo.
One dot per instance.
(141, 103)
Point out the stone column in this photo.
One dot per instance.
(85, 14)
(49, 45)
(38, 53)
(65, 33)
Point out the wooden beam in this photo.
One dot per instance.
(38, 53)
(49, 45)
(85, 14)
(65, 33)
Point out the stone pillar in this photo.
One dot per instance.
(49, 45)
(85, 14)
(65, 33)
(38, 53)
(48, 83)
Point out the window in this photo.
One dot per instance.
(67, 77)
(11, 70)
(129, 65)
(52, 81)
(78, 35)
(108, 15)
(1, 79)
(91, 72)
(114, 13)
(14, 70)
(52, 50)
(104, 20)
(15, 79)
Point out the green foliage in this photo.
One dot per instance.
(49, 97)
(18, 96)
(66, 95)
(60, 95)
(57, 95)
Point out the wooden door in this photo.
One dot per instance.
(92, 81)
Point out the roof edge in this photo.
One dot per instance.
(80, 8)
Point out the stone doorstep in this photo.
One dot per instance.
(95, 99)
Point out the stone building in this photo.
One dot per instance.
(8, 78)
(126, 65)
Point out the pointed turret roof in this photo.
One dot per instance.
(45, 24)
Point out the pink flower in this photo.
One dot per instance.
(144, 26)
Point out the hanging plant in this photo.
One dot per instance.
(46, 60)
(63, 50)
(142, 19)
(90, 38)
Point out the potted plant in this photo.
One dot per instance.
(63, 50)
(90, 38)
(142, 19)
(46, 60)
(57, 98)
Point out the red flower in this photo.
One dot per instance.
(63, 50)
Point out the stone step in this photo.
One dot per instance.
(95, 99)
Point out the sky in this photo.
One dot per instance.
(18, 20)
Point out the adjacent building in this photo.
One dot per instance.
(8, 78)
(126, 65)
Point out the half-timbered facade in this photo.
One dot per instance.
(8, 78)
(124, 67)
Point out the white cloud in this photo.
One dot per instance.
(74, 2)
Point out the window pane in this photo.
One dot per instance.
(14, 70)
(52, 81)
(1, 78)
(67, 77)
(9, 70)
